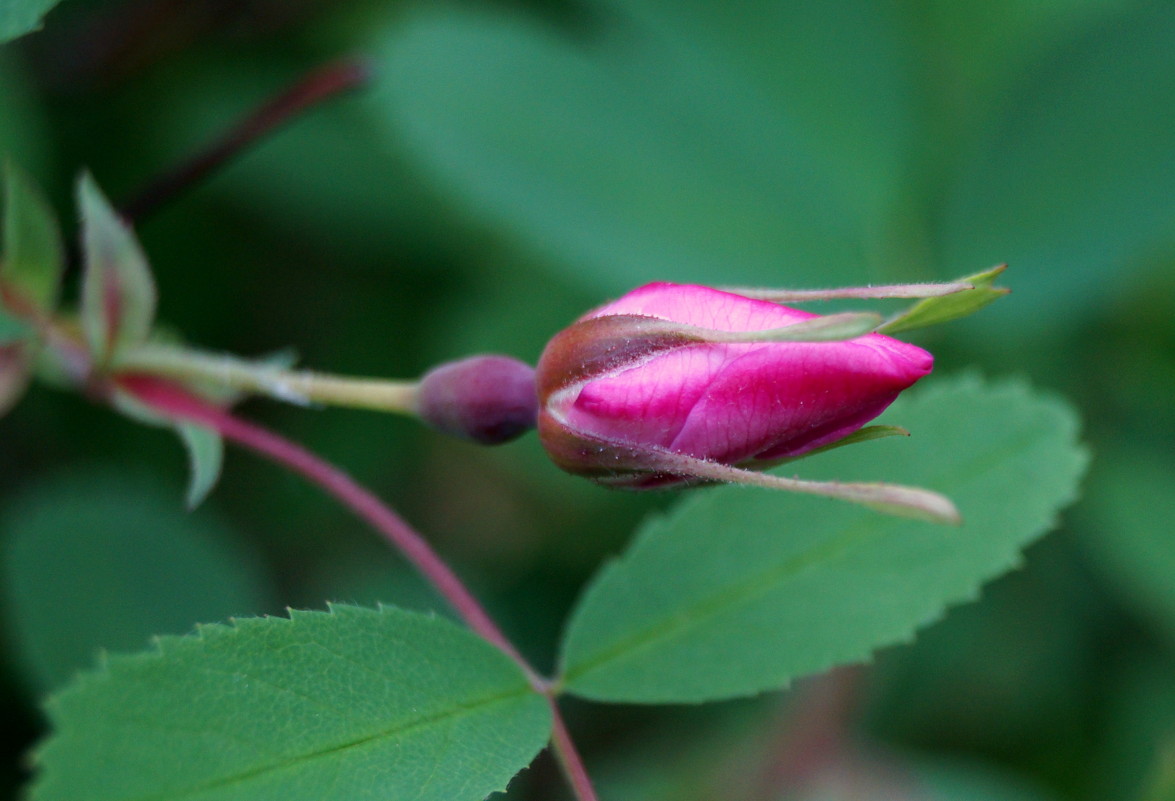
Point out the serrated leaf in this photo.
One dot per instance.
(18, 17)
(118, 291)
(33, 255)
(355, 703)
(933, 311)
(98, 559)
(738, 591)
(205, 458)
(675, 140)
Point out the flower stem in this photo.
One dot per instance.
(176, 403)
(295, 386)
(313, 88)
(573, 767)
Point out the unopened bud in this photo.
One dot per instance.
(488, 399)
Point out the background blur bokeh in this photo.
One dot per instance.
(514, 163)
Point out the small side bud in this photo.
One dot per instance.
(487, 399)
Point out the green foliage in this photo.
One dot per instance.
(355, 703)
(730, 594)
(93, 560)
(33, 256)
(118, 292)
(684, 140)
(1077, 171)
(1132, 508)
(18, 17)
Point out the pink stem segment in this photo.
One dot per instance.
(573, 767)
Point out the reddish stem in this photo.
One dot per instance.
(172, 401)
(573, 767)
(318, 85)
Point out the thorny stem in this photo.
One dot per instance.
(176, 403)
(294, 386)
(318, 85)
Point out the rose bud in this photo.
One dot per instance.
(487, 399)
(676, 384)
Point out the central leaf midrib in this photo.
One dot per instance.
(734, 594)
(302, 759)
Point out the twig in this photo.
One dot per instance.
(318, 85)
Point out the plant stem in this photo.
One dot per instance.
(313, 88)
(176, 403)
(568, 756)
(300, 386)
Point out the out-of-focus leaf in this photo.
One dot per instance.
(205, 457)
(1077, 174)
(739, 591)
(118, 292)
(14, 374)
(18, 17)
(676, 140)
(1128, 529)
(95, 560)
(12, 329)
(33, 256)
(355, 703)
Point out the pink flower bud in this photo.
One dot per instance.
(488, 399)
(640, 376)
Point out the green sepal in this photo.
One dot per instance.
(933, 311)
(204, 446)
(118, 292)
(205, 458)
(33, 254)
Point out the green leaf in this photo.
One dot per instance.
(355, 703)
(738, 591)
(205, 456)
(33, 254)
(18, 17)
(676, 140)
(118, 292)
(96, 559)
(933, 311)
(1130, 510)
(1075, 178)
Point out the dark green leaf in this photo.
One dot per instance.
(18, 17)
(1077, 174)
(95, 560)
(118, 292)
(355, 703)
(1131, 509)
(33, 257)
(679, 140)
(739, 591)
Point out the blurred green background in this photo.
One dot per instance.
(513, 164)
